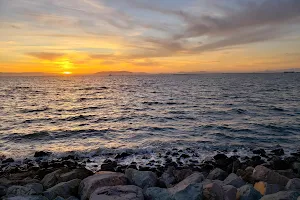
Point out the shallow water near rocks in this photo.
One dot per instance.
(96, 116)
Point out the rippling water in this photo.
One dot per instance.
(148, 113)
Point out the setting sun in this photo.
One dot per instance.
(66, 73)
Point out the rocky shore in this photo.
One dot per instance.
(178, 175)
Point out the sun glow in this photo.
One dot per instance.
(66, 73)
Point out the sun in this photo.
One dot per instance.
(66, 73)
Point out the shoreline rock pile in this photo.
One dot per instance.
(218, 178)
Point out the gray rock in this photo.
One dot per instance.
(101, 179)
(229, 192)
(26, 198)
(191, 192)
(234, 180)
(296, 167)
(64, 175)
(262, 173)
(72, 198)
(182, 174)
(59, 198)
(217, 174)
(52, 179)
(266, 188)
(3, 190)
(213, 191)
(75, 174)
(293, 184)
(27, 190)
(247, 192)
(143, 179)
(192, 179)
(64, 189)
(120, 192)
(283, 195)
(167, 179)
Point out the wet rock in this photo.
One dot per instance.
(265, 188)
(64, 175)
(279, 164)
(143, 179)
(27, 190)
(184, 156)
(191, 192)
(41, 154)
(72, 198)
(122, 192)
(196, 177)
(217, 174)
(122, 155)
(259, 151)
(74, 174)
(289, 173)
(8, 160)
(293, 184)
(220, 157)
(53, 178)
(278, 152)
(101, 179)
(296, 167)
(229, 192)
(234, 180)
(109, 165)
(213, 191)
(262, 173)
(283, 195)
(3, 190)
(182, 174)
(247, 192)
(59, 198)
(167, 179)
(33, 197)
(63, 189)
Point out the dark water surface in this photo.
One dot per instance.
(149, 113)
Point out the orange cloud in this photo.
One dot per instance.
(46, 55)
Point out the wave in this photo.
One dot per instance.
(34, 110)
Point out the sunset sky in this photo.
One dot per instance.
(87, 36)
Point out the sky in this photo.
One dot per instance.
(157, 36)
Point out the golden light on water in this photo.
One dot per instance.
(66, 73)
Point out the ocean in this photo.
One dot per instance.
(147, 114)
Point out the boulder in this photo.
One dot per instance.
(213, 191)
(64, 175)
(101, 179)
(217, 174)
(293, 184)
(120, 192)
(266, 188)
(191, 192)
(247, 192)
(52, 179)
(167, 179)
(234, 180)
(33, 197)
(75, 174)
(27, 190)
(63, 189)
(182, 174)
(283, 195)
(143, 179)
(262, 173)
(41, 154)
(229, 192)
(3, 190)
(192, 179)
(72, 198)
